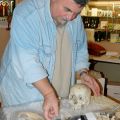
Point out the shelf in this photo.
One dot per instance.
(105, 9)
(105, 4)
(3, 22)
(102, 17)
(108, 13)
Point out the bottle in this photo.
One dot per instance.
(12, 5)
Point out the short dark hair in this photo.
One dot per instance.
(81, 2)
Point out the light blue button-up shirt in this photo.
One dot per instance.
(30, 52)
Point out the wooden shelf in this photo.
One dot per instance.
(103, 7)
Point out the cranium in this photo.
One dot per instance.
(79, 95)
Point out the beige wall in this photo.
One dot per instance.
(4, 36)
(110, 70)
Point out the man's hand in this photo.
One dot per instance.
(51, 103)
(91, 83)
(50, 106)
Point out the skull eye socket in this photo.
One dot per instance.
(80, 97)
(74, 99)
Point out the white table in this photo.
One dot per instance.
(109, 65)
(96, 104)
(113, 50)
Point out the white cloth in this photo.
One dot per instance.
(63, 67)
(97, 104)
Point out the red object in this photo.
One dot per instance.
(1, 10)
(96, 49)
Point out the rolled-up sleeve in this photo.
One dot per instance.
(82, 55)
(25, 44)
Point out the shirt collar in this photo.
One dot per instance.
(47, 12)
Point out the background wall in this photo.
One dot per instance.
(4, 37)
(110, 70)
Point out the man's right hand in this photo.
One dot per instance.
(51, 103)
(50, 106)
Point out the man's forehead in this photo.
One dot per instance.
(73, 6)
(73, 2)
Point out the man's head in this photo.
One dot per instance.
(66, 10)
(81, 2)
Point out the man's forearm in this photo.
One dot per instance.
(44, 86)
(51, 103)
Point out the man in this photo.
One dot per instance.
(47, 46)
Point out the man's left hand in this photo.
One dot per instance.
(91, 83)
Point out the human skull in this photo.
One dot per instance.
(79, 95)
(117, 115)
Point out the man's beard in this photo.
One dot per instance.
(61, 23)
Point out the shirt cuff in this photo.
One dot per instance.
(82, 71)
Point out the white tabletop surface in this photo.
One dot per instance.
(112, 55)
(97, 104)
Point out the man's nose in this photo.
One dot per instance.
(71, 16)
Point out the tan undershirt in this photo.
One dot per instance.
(62, 72)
